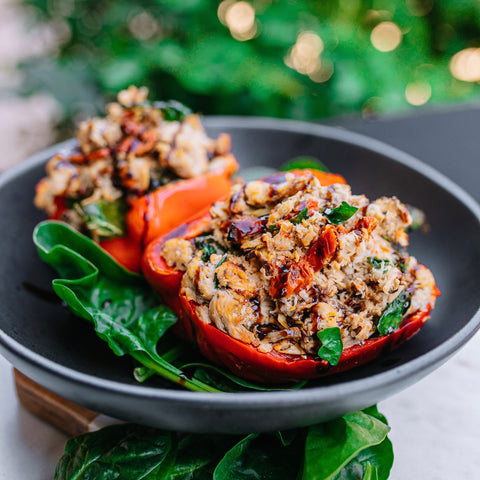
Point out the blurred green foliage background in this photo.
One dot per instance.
(299, 59)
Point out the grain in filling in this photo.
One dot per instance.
(275, 265)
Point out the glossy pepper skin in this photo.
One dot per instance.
(156, 213)
(244, 359)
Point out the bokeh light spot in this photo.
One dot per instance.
(143, 26)
(324, 73)
(418, 93)
(386, 36)
(304, 56)
(222, 10)
(465, 65)
(240, 19)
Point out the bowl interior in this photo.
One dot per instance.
(32, 316)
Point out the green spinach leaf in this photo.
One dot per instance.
(379, 456)
(118, 451)
(260, 457)
(104, 219)
(332, 345)
(302, 163)
(172, 110)
(198, 456)
(330, 446)
(121, 305)
(228, 382)
(303, 215)
(353, 447)
(391, 317)
(340, 214)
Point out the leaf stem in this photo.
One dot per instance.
(172, 375)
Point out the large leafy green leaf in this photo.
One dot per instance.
(318, 452)
(260, 457)
(118, 452)
(198, 456)
(379, 457)
(124, 310)
(332, 445)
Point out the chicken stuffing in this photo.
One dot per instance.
(285, 257)
(137, 147)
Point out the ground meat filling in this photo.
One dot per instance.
(136, 148)
(277, 265)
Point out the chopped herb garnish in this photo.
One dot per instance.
(209, 247)
(208, 250)
(273, 228)
(392, 315)
(302, 163)
(402, 266)
(300, 216)
(332, 345)
(379, 263)
(340, 214)
(215, 278)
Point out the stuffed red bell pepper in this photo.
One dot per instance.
(136, 174)
(289, 279)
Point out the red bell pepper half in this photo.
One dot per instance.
(244, 359)
(158, 212)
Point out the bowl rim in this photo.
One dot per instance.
(395, 375)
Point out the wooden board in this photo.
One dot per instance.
(54, 409)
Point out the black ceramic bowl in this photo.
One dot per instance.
(42, 339)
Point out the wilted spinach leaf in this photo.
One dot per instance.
(118, 452)
(124, 310)
(353, 447)
(172, 110)
(304, 163)
(379, 456)
(198, 456)
(260, 457)
(332, 344)
(340, 214)
(330, 446)
(228, 382)
(104, 219)
(391, 317)
(300, 216)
